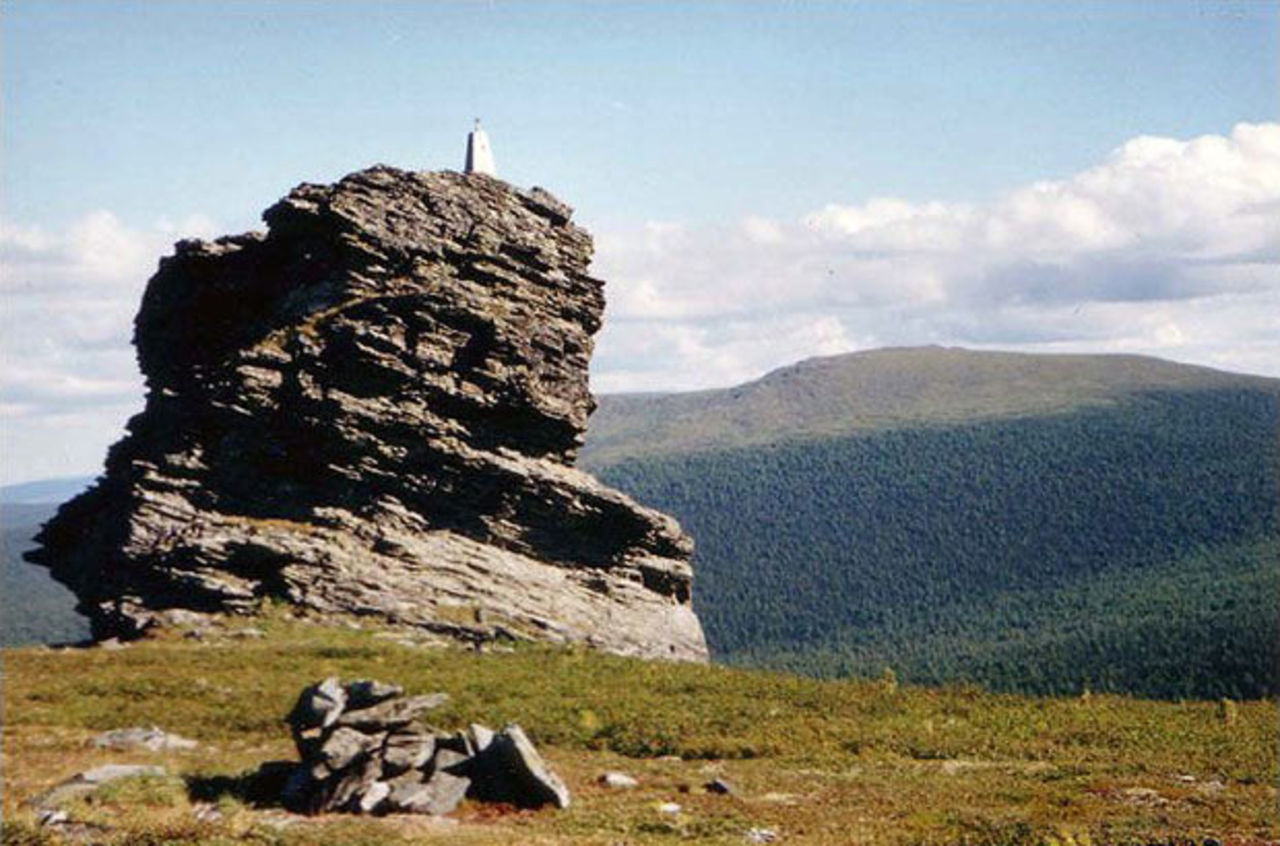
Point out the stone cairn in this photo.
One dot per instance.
(366, 750)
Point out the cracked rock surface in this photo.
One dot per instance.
(374, 408)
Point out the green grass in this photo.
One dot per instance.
(820, 762)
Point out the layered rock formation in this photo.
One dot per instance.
(374, 408)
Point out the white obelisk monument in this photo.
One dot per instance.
(479, 156)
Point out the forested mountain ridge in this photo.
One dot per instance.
(883, 389)
(1121, 538)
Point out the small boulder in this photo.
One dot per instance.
(617, 781)
(390, 714)
(513, 771)
(718, 786)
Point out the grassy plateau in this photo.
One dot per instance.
(813, 762)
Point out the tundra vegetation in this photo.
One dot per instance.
(813, 761)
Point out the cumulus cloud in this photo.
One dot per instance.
(68, 381)
(1169, 247)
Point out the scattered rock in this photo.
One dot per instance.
(374, 408)
(762, 835)
(51, 816)
(618, 781)
(142, 738)
(719, 786)
(82, 784)
(1144, 796)
(669, 808)
(780, 798)
(364, 750)
(511, 769)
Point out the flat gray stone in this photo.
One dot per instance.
(82, 784)
(365, 692)
(391, 714)
(402, 752)
(440, 793)
(142, 738)
(345, 745)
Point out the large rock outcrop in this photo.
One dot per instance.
(373, 408)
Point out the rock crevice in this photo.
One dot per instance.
(374, 408)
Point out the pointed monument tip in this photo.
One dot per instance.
(479, 155)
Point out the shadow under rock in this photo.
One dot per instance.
(260, 788)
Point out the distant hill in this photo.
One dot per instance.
(43, 491)
(1036, 523)
(33, 607)
(883, 389)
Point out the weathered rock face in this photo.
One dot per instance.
(374, 408)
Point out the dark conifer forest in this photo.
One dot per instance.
(1125, 547)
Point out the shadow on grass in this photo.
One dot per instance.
(260, 788)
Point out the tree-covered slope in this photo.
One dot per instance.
(33, 607)
(880, 389)
(1123, 545)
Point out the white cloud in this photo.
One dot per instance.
(68, 378)
(1168, 247)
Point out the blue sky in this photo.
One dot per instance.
(632, 111)
(766, 181)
